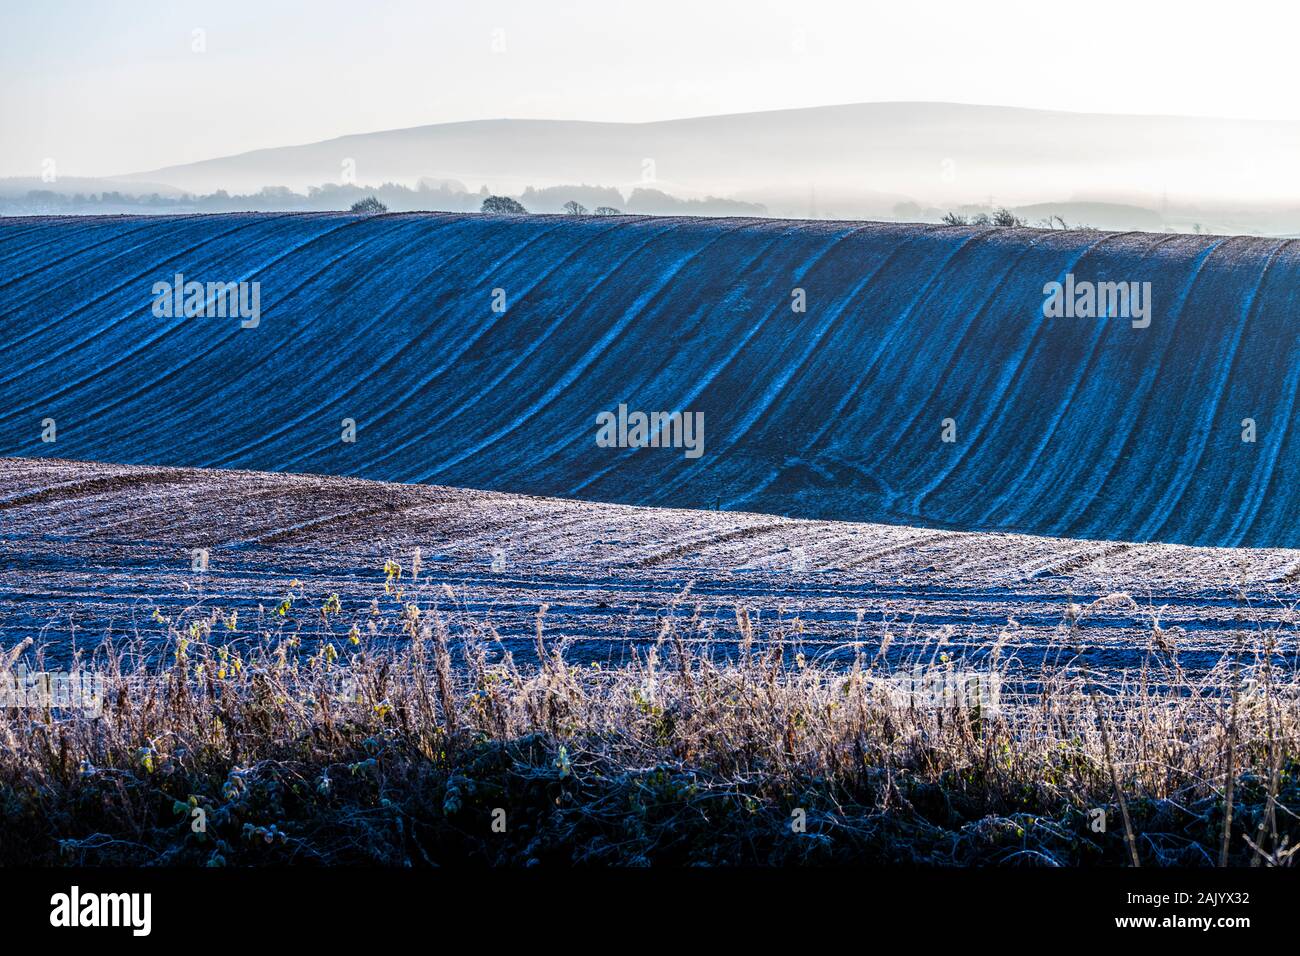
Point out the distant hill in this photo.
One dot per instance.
(839, 161)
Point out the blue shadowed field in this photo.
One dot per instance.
(1074, 427)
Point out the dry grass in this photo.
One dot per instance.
(406, 734)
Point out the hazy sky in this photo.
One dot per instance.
(117, 86)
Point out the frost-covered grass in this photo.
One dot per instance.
(403, 733)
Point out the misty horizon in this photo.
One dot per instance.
(906, 161)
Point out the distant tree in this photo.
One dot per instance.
(1002, 217)
(503, 205)
(606, 211)
(368, 206)
(1006, 218)
(575, 208)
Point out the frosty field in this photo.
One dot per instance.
(94, 551)
(378, 549)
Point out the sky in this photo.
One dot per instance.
(120, 86)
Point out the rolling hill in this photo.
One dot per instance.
(1074, 427)
(850, 161)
